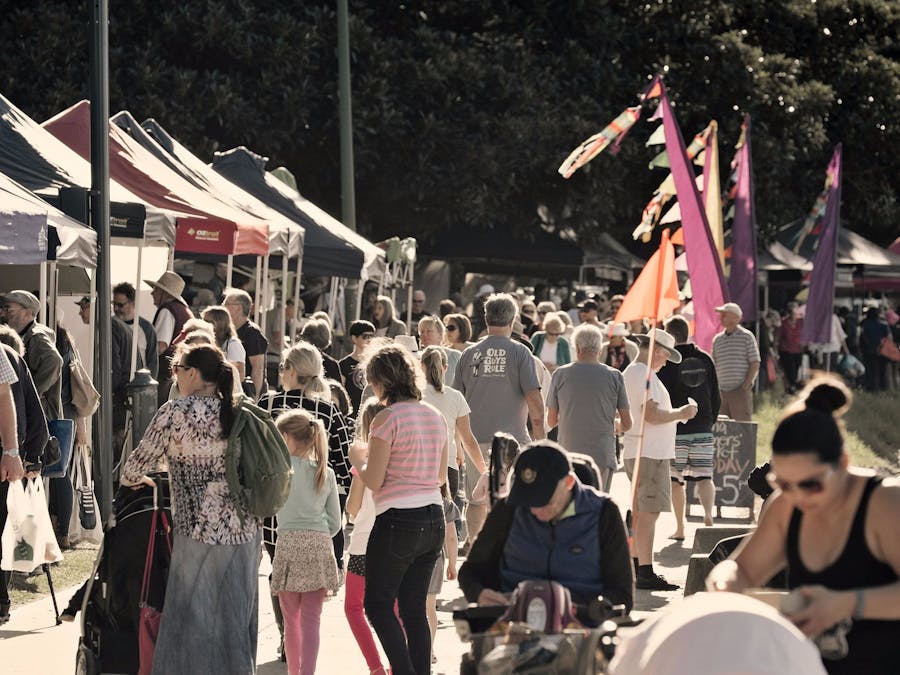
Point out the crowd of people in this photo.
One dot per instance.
(391, 444)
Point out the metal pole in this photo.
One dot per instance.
(297, 312)
(345, 108)
(99, 80)
(136, 325)
(53, 294)
(257, 289)
(42, 295)
(282, 309)
(230, 272)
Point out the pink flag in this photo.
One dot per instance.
(707, 280)
(742, 283)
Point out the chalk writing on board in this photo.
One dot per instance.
(735, 444)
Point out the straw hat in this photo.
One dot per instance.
(169, 283)
(663, 340)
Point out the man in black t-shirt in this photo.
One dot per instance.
(354, 379)
(238, 303)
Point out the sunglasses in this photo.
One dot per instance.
(451, 328)
(810, 486)
(554, 334)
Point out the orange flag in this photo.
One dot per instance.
(654, 295)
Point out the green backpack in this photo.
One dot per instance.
(257, 462)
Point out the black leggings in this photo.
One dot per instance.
(338, 539)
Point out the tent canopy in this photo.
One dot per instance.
(42, 164)
(212, 227)
(32, 231)
(330, 248)
(285, 236)
(852, 249)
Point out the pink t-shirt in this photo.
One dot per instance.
(416, 433)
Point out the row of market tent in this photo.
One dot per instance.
(232, 210)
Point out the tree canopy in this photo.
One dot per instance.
(463, 109)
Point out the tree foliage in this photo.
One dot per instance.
(463, 109)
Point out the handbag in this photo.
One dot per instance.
(84, 524)
(63, 431)
(85, 397)
(49, 551)
(888, 349)
(148, 627)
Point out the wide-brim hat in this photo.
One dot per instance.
(618, 330)
(170, 283)
(661, 339)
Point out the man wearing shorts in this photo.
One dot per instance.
(654, 494)
(693, 378)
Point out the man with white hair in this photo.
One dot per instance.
(497, 375)
(736, 355)
(584, 399)
(239, 303)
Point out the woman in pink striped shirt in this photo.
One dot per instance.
(404, 463)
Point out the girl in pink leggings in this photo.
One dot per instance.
(304, 568)
(361, 508)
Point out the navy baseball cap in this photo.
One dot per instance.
(537, 472)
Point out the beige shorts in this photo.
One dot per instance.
(654, 494)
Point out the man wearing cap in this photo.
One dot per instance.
(736, 355)
(584, 399)
(552, 527)
(498, 377)
(588, 311)
(353, 377)
(43, 359)
(84, 309)
(693, 378)
(654, 491)
(123, 308)
(171, 314)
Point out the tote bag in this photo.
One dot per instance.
(85, 524)
(85, 397)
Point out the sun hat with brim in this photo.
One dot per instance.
(536, 474)
(618, 330)
(169, 283)
(24, 298)
(661, 339)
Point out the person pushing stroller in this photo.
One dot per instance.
(552, 527)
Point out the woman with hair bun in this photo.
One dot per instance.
(210, 620)
(836, 528)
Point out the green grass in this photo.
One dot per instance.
(75, 567)
(872, 429)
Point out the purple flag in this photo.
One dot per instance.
(820, 305)
(743, 283)
(707, 280)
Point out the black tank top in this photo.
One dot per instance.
(874, 645)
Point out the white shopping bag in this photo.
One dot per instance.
(19, 541)
(49, 551)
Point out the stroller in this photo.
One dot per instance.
(541, 632)
(111, 606)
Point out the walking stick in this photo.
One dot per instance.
(46, 567)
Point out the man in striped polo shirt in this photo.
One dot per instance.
(736, 355)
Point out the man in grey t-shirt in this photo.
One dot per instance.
(498, 378)
(583, 400)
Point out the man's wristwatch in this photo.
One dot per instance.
(11, 452)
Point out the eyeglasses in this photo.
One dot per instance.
(176, 366)
(119, 305)
(554, 334)
(811, 486)
(451, 328)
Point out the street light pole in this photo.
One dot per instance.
(99, 90)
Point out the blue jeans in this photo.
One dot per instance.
(403, 547)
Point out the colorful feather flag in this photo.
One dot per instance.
(597, 143)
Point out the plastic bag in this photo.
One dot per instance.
(28, 540)
(21, 533)
(49, 551)
(85, 523)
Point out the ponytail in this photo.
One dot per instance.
(225, 386)
(308, 431)
(433, 361)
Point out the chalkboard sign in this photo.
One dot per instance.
(735, 459)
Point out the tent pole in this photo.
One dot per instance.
(135, 326)
(283, 308)
(409, 297)
(170, 264)
(256, 288)
(42, 312)
(360, 287)
(53, 293)
(228, 274)
(264, 311)
(297, 312)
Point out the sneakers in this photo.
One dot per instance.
(4, 612)
(654, 582)
(68, 616)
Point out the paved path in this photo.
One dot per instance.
(31, 645)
